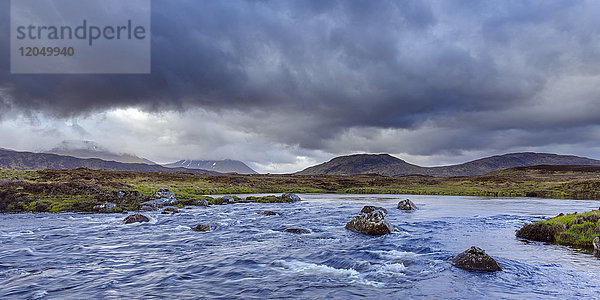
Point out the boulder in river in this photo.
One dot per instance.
(371, 223)
(136, 218)
(206, 227)
(406, 205)
(170, 210)
(269, 213)
(475, 259)
(288, 197)
(297, 230)
(369, 208)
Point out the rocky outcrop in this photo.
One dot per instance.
(163, 197)
(475, 259)
(406, 205)
(297, 230)
(371, 223)
(136, 218)
(269, 213)
(596, 243)
(206, 227)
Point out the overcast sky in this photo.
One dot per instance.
(283, 85)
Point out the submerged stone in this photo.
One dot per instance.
(475, 259)
(269, 213)
(206, 227)
(297, 230)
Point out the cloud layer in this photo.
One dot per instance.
(288, 83)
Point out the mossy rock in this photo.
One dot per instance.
(573, 229)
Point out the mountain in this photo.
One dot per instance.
(222, 166)
(387, 165)
(89, 149)
(35, 161)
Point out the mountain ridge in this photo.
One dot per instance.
(388, 165)
(222, 166)
(10, 159)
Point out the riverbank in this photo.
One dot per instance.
(81, 190)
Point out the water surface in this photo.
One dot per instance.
(78, 256)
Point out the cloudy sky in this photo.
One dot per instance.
(283, 85)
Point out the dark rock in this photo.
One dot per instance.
(541, 232)
(137, 218)
(367, 209)
(206, 227)
(372, 223)
(297, 230)
(202, 202)
(170, 209)
(406, 205)
(287, 197)
(475, 259)
(269, 213)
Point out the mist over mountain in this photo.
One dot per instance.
(387, 165)
(90, 149)
(222, 166)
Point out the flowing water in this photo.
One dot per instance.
(79, 256)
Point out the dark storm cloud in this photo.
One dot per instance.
(327, 66)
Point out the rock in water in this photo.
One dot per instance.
(137, 218)
(596, 243)
(269, 213)
(367, 209)
(406, 205)
(206, 227)
(224, 200)
(371, 223)
(297, 230)
(287, 197)
(475, 259)
(202, 202)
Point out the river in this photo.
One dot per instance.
(95, 256)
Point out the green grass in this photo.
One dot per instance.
(68, 190)
(573, 229)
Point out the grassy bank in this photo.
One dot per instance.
(574, 229)
(82, 189)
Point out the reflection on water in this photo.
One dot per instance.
(95, 256)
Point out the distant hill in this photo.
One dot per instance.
(387, 165)
(35, 161)
(223, 166)
(89, 149)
